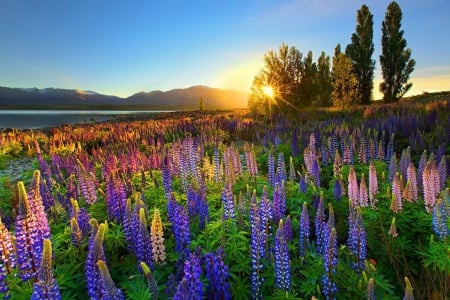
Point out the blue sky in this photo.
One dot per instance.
(123, 47)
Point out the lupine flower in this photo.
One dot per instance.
(190, 286)
(357, 239)
(429, 193)
(228, 202)
(390, 148)
(408, 290)
(216, 161)
(203, 210)
(422, 164)
(330, 261)
(271, 169)
(142, 242)
(397, 193)
(217, 273)
(76, 233)
(337, 166)
(108, 289)
(46, 287)
(192, 200)
(412, 178)
(157, 238)
(442, 170)
(282, 265)
(266, 215)
(257, 246)
(440, 218)
(405, 160)
(353, 191)
(166, 178)
(392, 168)
(380, 154)
(319, 225)
(116, 198)
(393, 229)
(370, 289)
(95, 253)
(3, 286)
(28, 238)
(180, 228)
(304, 230)
(7, 251)
(151, 283)
(337, 190)
(281, 167)
(37, 206)
(279, 204)
(363, 197)
(302, 183)
(373, 183)
(86, 181)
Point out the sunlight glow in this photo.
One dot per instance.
(268, 91)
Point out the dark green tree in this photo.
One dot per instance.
(309, 84)
(324, 80)
(201, 105)
(344, 81)
(281, 74)
(360, 51)
(396, 62)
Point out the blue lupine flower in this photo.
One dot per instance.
(329, 288)
(95, 253)
(108, 289)
(46, 287)
(282, 265)
(357, 238)
(228, 202)
(440, 218)
(217, 273)
(304, 230)
(190, 286)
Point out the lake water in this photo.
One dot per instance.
(32, 119)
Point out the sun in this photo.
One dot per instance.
(268, 91)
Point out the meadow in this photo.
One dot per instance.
(198, 205)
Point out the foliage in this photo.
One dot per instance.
(345, 82)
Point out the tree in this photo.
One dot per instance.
(344, 80)
(309, 89)
(282, 73)
(396, 62)
(324, 80)
(360, 52)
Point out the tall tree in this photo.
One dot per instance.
(344, 80)
(282, 73)
(309, 88)
(360, 52)
(324, 80)
(396, 62)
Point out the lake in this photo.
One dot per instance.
(33, 119)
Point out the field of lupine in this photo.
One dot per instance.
(222, 206)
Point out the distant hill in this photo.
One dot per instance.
(177, 99)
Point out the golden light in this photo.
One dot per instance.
(268, 91)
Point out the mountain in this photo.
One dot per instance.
(188, 98)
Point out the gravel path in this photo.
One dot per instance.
(16, 167)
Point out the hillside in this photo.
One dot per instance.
(177, 99)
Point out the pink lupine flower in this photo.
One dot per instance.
(411, 176)
(397, 192)
(353, 191)
(373, 183)
(363, 197)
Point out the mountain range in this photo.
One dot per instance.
(176, 99)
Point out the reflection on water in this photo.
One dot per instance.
(22, 119)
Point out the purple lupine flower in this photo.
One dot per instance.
(46, 287)
(279, 204)
(47, 197)
(390, 149)
(397, 192)
(315, 173)
(95, 253)
(440, 218)
(330, 261)
(319, 224)
(337, 190)
(203, 210)
(190, 286)
(86, 181)
(7, 251)
(373, 183)
(166, 178)
(228, 202)
(180, 228)
(28, 238)
(257, 247)
(442, 170)
(3, 286)
(357, 239)
(363, 197)
(37, 206)
(151, 282)
(281, 167)
(266, 215)
(217, 273)
(108, 289)
(281, 255)
(142, 242)
(422, 164)
(304, 230)
(271, 169)
(412, 178)
(405, 159)
(392, 168)
(380, 153)
(302, 183)
(353, 191)
(116, 198)
(216, 161)
(76, 233)
(192, 201)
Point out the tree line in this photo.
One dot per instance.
(297, 81)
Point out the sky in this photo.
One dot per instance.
(123, 47)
